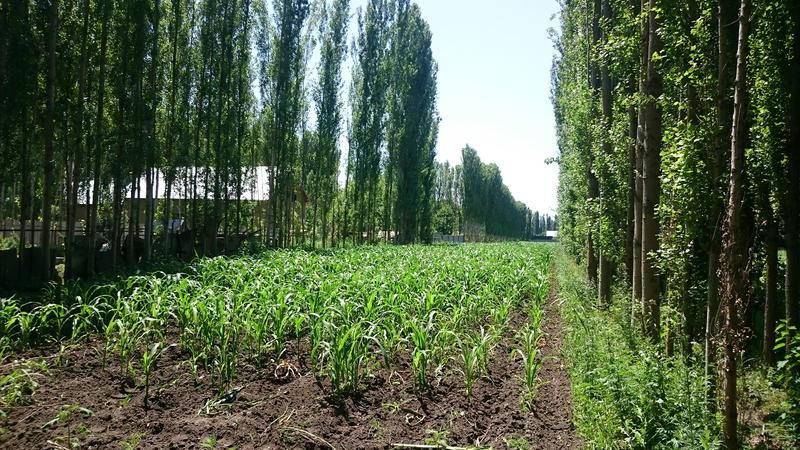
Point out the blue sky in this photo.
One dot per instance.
(494, 89)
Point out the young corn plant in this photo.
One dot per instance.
(347, 353)
(420, 352)
(280, 322)
(148, 361)
(129, 332)
(483, 343)
(470, 364)
(529, 339)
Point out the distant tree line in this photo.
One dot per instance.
(679, 134)
(471, 199)
(104, 104)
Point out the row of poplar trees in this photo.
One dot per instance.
(477, 197)
(679, 134)
(196, 94)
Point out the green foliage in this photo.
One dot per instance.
(627, 394)
(529, 338)
(788, 375)
(7, 243)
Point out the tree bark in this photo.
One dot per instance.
(49, 115)
(734, 260)
(592, 260)
(791, 209)
(630, 223)
(78, 155)
(98, 152)
(606, 266)
(770, 299)
(651, 173)
(25, 195)
(636, 285)
(721, 146)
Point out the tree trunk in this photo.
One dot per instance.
(98, 152)
(791, 209)
(606, 267)
(72, 201)
(592, 260)
(150, 169)
(49, 115)
(638, 181)
(770, 300)
(25, 195)
(169, 169)
(630, 224)
(734, 260)
(651, 173)
(721, 146)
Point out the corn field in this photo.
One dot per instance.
(439, 309)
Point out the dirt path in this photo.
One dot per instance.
(283, 412)
(554, 398)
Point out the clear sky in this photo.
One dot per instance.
(494, 89)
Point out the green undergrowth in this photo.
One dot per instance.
(626, 393)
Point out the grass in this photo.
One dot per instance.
(354, 310)
(627, 394)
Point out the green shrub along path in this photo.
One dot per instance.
(628, 394)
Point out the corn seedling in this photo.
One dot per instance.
(149, 358)
(431, 304)
(347, 353)
(529, 352)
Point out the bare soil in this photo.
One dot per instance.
(283, 406)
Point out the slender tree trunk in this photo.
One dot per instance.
(791, 209)
(25, 195)
(644, 56)
(721, 144)
(169, 167)
(735, 264)
(49, 116)
(133, 223)
(98, 151)
(606, 268)
(630, 222)
(770, 300)
(592, 261)
(651, 173)
(153, 144)
(116, 221)
(72, 189)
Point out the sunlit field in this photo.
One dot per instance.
(344, 318)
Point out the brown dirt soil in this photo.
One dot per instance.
(280, 410)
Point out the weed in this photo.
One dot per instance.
(19, 385)
(132, 442)
(209, 442)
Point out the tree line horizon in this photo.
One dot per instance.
(96, 95)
